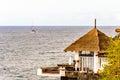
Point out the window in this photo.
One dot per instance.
(86, 53)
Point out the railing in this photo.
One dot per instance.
(76, 75)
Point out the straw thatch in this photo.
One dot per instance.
(117, 29)
(94, 40)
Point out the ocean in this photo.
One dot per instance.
(22, 52)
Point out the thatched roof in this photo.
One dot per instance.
(94, 40)
(117, 29)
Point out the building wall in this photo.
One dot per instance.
(89, 60)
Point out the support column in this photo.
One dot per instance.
(39, 71)
(77, 61)
(62, 71)
(76, 56)
(95, 62)
(70, 61)
(82, 66)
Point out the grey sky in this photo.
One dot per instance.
(59, 12)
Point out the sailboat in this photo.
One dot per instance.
(33, 29)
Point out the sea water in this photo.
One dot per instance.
(22, 52)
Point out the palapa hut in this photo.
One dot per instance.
(89, 56)
(89, 50)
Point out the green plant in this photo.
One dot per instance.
(112, 70)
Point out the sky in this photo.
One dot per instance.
(59, 12)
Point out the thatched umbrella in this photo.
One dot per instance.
(94, 40)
